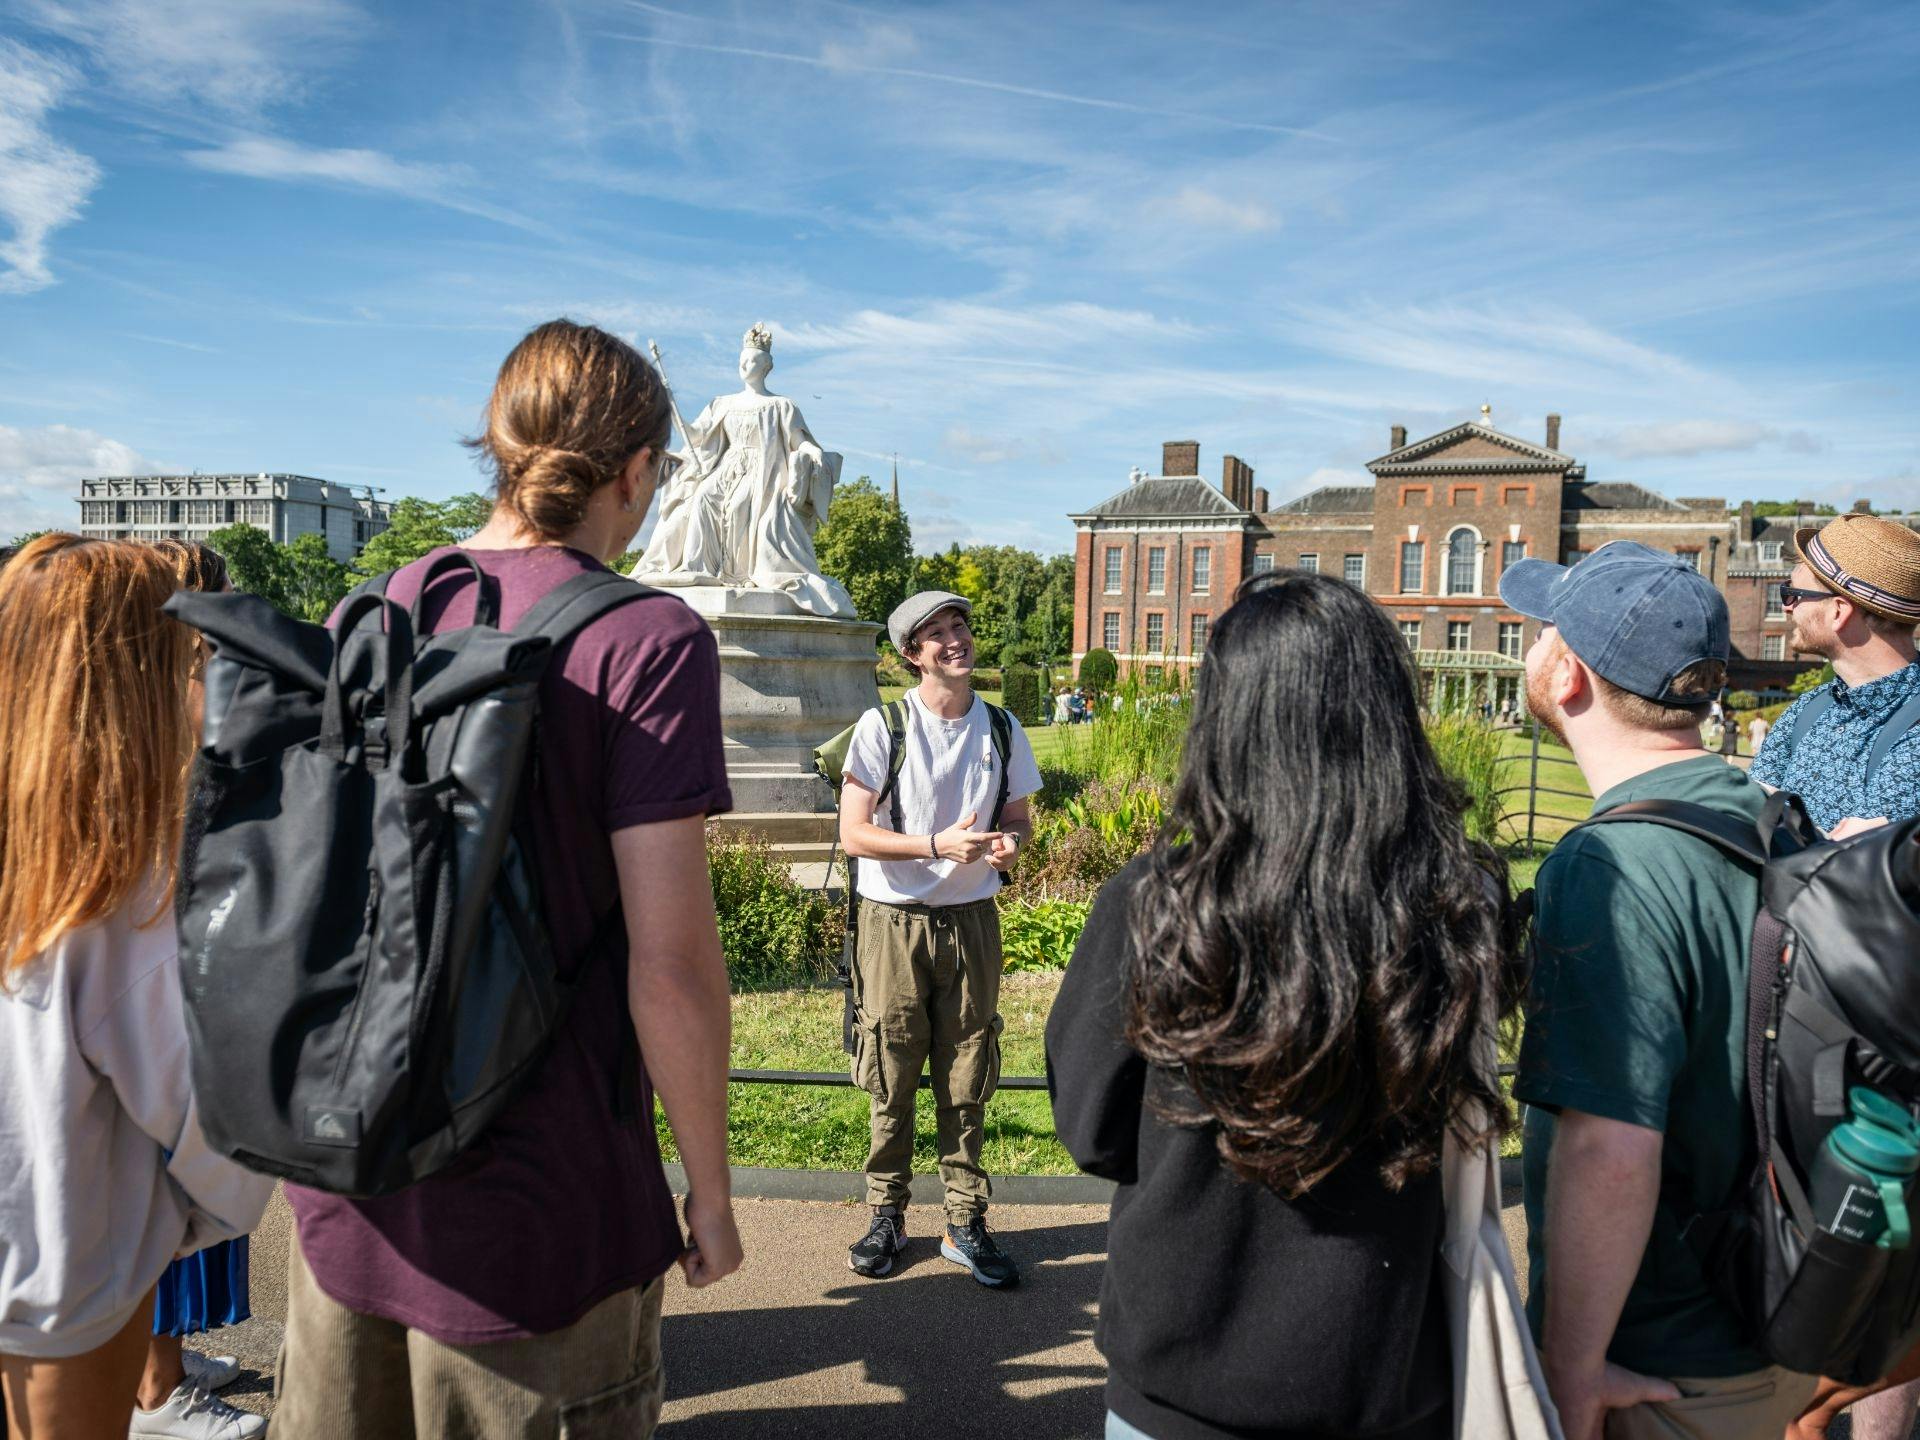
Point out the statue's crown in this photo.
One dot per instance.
(758, 338)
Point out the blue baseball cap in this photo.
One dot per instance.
(1637, 616)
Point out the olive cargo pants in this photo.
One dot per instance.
(926, 993)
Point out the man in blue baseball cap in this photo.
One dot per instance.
(1633, 1063)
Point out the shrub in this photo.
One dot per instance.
(1020, 693)
(1081, 841)
(1021, 652)
(773, 932)
(1470, 754)
(1811, 680)
(1099, 671)
(1041, 934)
(1743, 700)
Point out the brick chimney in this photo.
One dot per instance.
(1863, 507)
(1236, 481)
(1261, 505)
(1746, 522)
(1399, 435)
(1180, 457)
(1553, 432)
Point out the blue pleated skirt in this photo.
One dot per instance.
(204, 1291)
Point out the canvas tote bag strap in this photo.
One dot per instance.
(1499, 1391)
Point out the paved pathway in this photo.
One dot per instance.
(797, 1345)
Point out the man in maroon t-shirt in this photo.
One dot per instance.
(519, 1290)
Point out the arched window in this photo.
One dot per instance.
(1463, 562)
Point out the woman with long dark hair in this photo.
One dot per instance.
(1269, 1025)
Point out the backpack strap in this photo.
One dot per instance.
(1738, 838)
(1896, 728)
(1803, 723)
(1002, 728)
(577, 603)
(894, 712)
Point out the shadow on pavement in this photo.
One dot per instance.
(965, 1360)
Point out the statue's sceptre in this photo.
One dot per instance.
(674, 406)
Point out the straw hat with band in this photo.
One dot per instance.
(1873, 562)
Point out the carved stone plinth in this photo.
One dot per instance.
(787, 682)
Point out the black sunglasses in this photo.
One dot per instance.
(1791, 595)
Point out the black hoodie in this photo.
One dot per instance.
(1226, 1310)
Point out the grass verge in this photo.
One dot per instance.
(815, 1128)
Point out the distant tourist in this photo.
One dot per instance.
(937, 826)
(1851, 749)
(104, 1174)
(518, 1292)
(1633, 1065)
(1063, 706)
(1756, 733)
(1264, 1033)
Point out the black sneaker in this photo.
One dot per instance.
(872, 1255)
(970, 1245)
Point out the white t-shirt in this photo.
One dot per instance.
(948, 771)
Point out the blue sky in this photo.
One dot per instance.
(1018, 244)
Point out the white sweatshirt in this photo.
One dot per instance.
(94, 1089)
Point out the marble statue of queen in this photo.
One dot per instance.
(756, 487)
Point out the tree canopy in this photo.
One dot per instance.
(867, 545)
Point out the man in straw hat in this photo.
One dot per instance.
(1851, 749)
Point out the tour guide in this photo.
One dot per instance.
(926, 971)
(1851, 749)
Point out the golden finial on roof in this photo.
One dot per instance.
(1486, 416)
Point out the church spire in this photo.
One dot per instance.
(896, 479)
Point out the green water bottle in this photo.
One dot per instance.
(1861, 1174)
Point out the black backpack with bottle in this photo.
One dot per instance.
(1833, 1008)
(367, 971)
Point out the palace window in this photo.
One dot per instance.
(1110, 630)
(1354, 570)
(1510, 639)
(1413, 566)
(1773, 647)
(1769, 552)
(1410, 632)
(1263, 564)
(1113, 570)
(1512, 552)
(1459, 634)
(1776, 608)
(1156, 571)
(1463, 562)
(1574, 557)
(1310, 562)
(1692, 557)
(1156, 634)
(1197, 626)
(1203, 570)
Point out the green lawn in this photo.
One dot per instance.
(816, 1128)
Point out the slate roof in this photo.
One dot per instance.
(1183, 495)
(1330, 500)
(1613, 495)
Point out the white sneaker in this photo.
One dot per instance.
(209, 1372)
(193, 1414)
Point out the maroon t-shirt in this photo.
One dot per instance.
(559, 1204)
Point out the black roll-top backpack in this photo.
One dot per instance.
(1833, 1001)
(363, 950)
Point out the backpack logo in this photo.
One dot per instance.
(333, 1127)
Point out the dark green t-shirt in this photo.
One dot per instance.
(1638, 1012)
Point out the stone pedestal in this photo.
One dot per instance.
(788, 681)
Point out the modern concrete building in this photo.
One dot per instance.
(1428, 539)
(191, 507)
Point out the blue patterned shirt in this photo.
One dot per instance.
(1827, 769)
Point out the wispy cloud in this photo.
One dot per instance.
(1684, 439)
(235, 58)
(844, 63)
(1200, 206)
(1001, 449)
(268, 157)
(169, 342)
(43, 184)
(41, 470)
